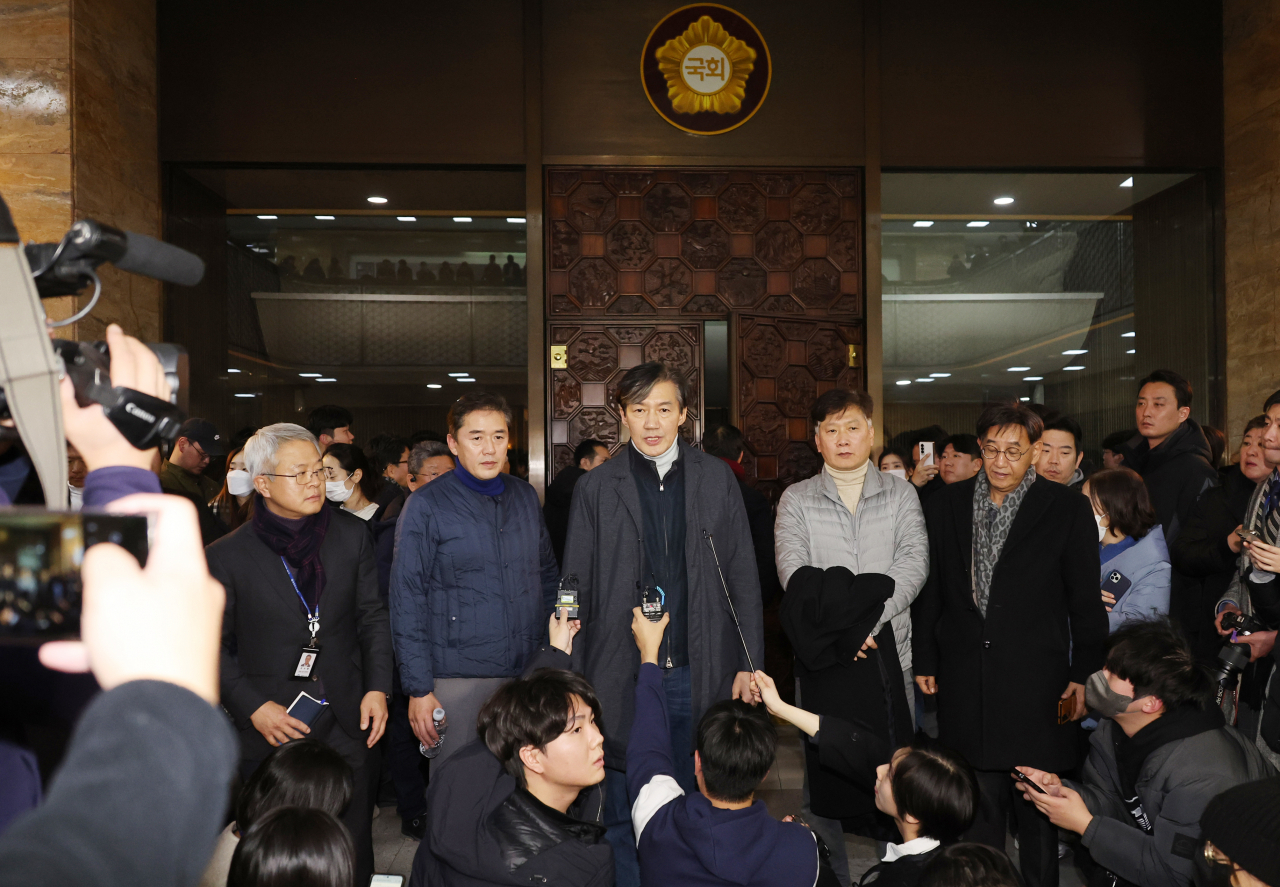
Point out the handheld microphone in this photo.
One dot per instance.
(724, 585)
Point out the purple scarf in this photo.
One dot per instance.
(298, 542)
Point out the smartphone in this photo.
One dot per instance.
(924, 452)
(1066, 709)
(40, 556)
(1022, 777)
(1248, 535)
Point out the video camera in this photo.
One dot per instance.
(31, 364)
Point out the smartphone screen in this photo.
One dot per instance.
(40, 556)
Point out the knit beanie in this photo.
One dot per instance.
(1244, 823)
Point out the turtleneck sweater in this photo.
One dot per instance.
(663, 463)
(849, 484)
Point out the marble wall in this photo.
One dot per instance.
(1251, 92)
(78, 135)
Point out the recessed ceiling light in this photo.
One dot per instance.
(1033, 378)
(940, 375)
(1127, 183)
(268, 218)
(978, 224)
(904, 381)
(1069, 369)
(1018, 369)
(233, 370)
(324, 218)
(245, 395)
(1076, 351)
(459, 375)
(1128, 335)
(377, 200)
(1024, 399)
(434, 385)
(311, 375)
(515, 221)
(922, 224)
(327, 379)
(466, 379)
(1132, 351)
(462, 218)
(406, 218)
(925, 379)
(1002, 201)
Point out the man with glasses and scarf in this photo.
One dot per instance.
(1009, 625)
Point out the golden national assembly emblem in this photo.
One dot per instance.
(705, 69)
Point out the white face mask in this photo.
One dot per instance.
(77, 497)
(239, 483)
(1102, 531)
(337, 491)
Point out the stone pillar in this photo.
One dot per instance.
(78, 136)
(1251, 98)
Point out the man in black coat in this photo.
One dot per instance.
(589, 454)
(294, 558)
(726, 442)
(1009, 626)
(1172, 455)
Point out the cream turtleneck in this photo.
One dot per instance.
(849, 484)
(664, 462)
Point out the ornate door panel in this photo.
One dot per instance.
(582, 397)
(782, 366)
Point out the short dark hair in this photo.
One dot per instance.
(938, 787)
(587, 450)
(325, 419)
(386, 450)
(836, 401)
(894, 451)
(737, 744)
(1217, 444)
(724, 442)
(1154, 656)
(353, 459)
(428, 449)
(639, 381)
(1253, 424)
(1117, 439)
(293, 845)
(480, 402)
(1271, 401)
(1121, 495)
(962, 443)
(532, 710)
(424, 434)
(969, 865)
(303, 773)
(1181, 387)
(1070, 426)
(1004, 414)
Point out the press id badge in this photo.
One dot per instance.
(306, 662)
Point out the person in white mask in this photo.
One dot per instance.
(349, 482)
(76, 471)
(1135, 560)
(234, 503)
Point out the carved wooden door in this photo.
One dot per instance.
(782, 365)
(583, 403)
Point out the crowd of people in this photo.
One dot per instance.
(590, 691)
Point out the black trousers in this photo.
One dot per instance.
(1037, 837)
(358, 817)
(405, 762)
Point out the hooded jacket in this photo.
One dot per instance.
(1145, 564)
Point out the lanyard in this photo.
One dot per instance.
(313, 619)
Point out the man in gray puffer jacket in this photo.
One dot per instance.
(1161, 753)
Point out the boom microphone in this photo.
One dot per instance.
(153, 258)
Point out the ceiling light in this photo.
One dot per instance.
(233, 371)
(1128, 335)
(324, 218)
(327, 379)
(978, 224)
(466, 379)
(406, 218)
(1033, 378)
(922, 224)
(1069, 369)
(1002, 201)
(377, 200)
(926, 379)
(268, 218)
(1018, 369)
(1076, 351)
(311, 375)
(1127, 183)
(462, 218)
(458, 375)
(904, 381)
(515, 221)
(1024, 399)
(245, 395)
(1132, 351)
(434, 385)
(940, 375)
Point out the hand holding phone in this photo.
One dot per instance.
(1026, 780)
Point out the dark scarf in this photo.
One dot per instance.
(1132, 751)
(491, 487)
(989, 536)
(298, 542)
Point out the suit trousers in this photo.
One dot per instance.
(358, 817)
(1037, 836)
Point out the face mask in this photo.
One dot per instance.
(77, 497)
(239, 483)
(337, 491)
(1100, 698)
(1102, 531)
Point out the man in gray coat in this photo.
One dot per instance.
(851, 515)
(1162, 751)
(643, 525)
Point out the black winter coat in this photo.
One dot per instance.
(1201, 551)
(760, 519)
(556, 509)
(1000, 677)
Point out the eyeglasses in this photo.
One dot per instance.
(1013, 454)
(302, 478)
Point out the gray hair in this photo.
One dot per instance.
(260, 450)
(428, 449)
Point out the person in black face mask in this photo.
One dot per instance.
(1161, 752)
